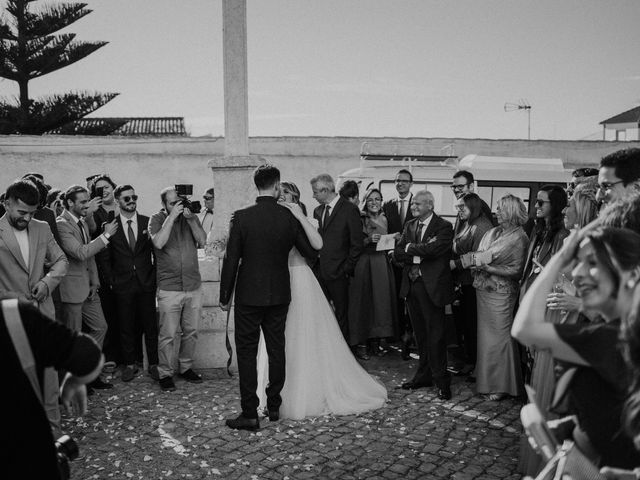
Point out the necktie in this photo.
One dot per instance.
(403, 211)
(414, 270)
(325, 216)
(131, 235)
(84, 235)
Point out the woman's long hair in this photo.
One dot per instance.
(586, 204)
(293, 189)
(474, 204)
(367, 194)
(630, 337)
(558, 201)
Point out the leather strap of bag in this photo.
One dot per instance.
(227, 341)
(21, 343)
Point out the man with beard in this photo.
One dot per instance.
(26, 246)
(128, 267)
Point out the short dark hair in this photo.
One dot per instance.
(53, 194)
(24, 190)
(406, 172)
(266, 176)
(468, 176)
(121, 188)
(34, 174)
(210, 191)
(626, 164)
(584, 172)
(42, 188)
(349, 189)
(71, 194)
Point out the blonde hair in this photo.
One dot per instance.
(513, 209)
(584, 198)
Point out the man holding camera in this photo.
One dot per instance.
(176, 234)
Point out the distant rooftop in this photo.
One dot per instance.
(630, 116)
(125, 126)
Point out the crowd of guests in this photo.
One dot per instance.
(549, 301)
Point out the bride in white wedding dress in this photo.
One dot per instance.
(322, 375)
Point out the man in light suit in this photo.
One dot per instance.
(26, 245)
(78, 290)
(427, 285)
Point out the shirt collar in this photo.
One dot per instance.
(134, 219)
(332, 204)
(406, 199)
(75, 219)
(427, 220)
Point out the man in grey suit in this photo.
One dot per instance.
(26, 245)
(78, 290)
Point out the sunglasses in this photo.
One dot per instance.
(208, 198)
(539, 203)
(129, 198)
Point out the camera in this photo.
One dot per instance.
(97, 192)
(184, 191)
(66, 451)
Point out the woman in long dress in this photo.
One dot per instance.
(499, 263)
(372, 295)
(322, 376)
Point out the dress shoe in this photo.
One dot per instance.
(167, 385)
(444, 393)
(405, 352)
(274, 415)
(243, 423)
(99, 384)
(416, 385)
(360, 351)
(191, 376)
(153, 372)
(109, 367)
(129, 373)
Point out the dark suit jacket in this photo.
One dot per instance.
(434, 250)
(123, 268)
(342, 240)
(260, 239)
(390, 209)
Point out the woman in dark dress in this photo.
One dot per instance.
(607, 262)
(468, 240)
(372, 300)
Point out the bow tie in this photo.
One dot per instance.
(209, 211)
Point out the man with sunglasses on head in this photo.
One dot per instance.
(176, 234)
(619, 175)
(129, 269)
(206, 216)
(578, 176)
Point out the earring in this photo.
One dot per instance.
(630, 283)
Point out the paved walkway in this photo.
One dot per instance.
(137, 431)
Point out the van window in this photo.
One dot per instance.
(491, 194)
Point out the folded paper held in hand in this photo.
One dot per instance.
(475, 259)
(386, 242)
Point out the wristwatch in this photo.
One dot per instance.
(107, 235)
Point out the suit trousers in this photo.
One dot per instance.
(404, 324)
(428, 321)
(248, 322)
(177, 309)
(136, 312)
(86, 317)
(112, 349)
(337, 292)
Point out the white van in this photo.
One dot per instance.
(494, 176)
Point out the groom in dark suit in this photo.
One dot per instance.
(340, 226)
(427, 285)
(260, 238)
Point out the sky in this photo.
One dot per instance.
(401, 68)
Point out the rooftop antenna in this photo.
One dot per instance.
(523, 104)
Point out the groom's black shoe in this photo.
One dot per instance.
(274, 415)
(416, 385)
(243, 423)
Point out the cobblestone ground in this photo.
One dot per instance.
(137, 431)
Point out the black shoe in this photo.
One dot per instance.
(444, 393)
(405, 352)
(243, 423)
(274, 415)
(129, 373)
(99, 384)
(416, 385)
(167, 385)
(191, 376)
(153, 372)
(360, 351)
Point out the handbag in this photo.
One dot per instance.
(570, 463)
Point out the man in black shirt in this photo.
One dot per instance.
(29, 448)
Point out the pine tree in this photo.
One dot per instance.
(29, 49)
